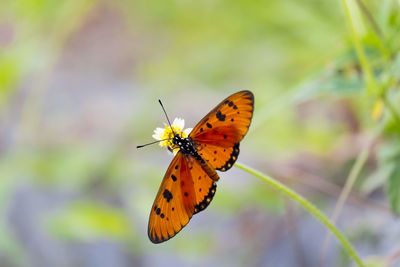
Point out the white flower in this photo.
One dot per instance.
(167, 134)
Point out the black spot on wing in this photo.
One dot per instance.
(173, 178)
(232, 159)
(220, 116)
(231, 104)
(207, 199)
(167, 195)
(209, 125)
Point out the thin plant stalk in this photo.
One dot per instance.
(365, 65)
(308, 206)
(350, 181)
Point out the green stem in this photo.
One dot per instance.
(308, 206)
(366, 67)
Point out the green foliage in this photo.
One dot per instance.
(389, 163)
(387, 172)
(393, 187)
(86, 221)
(8, 77)
(61, 130)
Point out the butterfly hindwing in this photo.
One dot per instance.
(186, 189)
(204, 184)
(222, 158)
(218, 134)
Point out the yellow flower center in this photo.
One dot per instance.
(167, 134)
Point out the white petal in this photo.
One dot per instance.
(179, 123)
(158, 133)
(187, 131)
(159, 130)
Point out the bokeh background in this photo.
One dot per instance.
(79, 84)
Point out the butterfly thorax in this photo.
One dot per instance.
(186, 145)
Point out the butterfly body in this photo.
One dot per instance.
(186, 145)
(190, 181)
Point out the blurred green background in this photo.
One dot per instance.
(79, 84)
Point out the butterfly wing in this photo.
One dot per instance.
(189, 183)
(186, 189)
(218, 134)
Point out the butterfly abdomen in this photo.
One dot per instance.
(206, 167)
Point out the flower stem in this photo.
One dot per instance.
(308, 206)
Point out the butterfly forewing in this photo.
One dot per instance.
(218, 134)
(185, 190)
(170, 211)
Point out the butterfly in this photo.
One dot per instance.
(189, 184)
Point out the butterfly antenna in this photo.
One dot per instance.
(162, 106)
(153, 143)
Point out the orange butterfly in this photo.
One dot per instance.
(190, 181)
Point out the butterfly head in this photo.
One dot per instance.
(178, 140)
